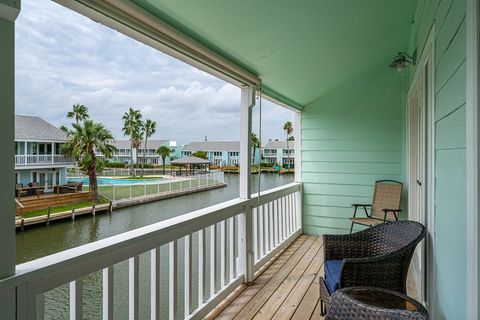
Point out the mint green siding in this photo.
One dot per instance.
(450, 168)
(350, 138)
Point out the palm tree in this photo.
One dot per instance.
(164, 152)
(131, 127)
(83, 139)
(288, 128)
(79, 113)
(200, 154)
(255, 144)
(137, 143)
(148, 129)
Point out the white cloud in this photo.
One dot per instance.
(63, 58)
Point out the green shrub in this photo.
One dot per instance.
(115, 165)
(145, 166)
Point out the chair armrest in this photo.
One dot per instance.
(356, 205)
(361, 205)
(381, 271)
(392, 210)
(343, 246)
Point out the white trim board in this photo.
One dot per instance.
(473, 154)
(426, 66)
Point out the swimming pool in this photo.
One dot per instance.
(109, 181)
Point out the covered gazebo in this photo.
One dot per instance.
(190, 164)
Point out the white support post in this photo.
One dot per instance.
(246, 256)
(297, 132)
(8, 13)
(53, 152)
(473, 156)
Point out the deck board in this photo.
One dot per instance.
(250, 291)
(287, 289)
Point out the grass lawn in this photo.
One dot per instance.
(67, 207)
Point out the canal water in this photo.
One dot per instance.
(41, 241)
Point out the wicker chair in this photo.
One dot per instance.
(384, 207)
(375, 257)
(367, 303)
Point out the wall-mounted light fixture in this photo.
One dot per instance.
(402, 60)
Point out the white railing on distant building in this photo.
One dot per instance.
(41, 159)
(228, 241)
(75, 172)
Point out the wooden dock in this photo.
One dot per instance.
(21, 223)
(32, 203)
(287, 289)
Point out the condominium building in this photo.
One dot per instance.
(220, 153)
(278, 152)
(151, 156)
(37, 152)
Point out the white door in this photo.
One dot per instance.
(47, 179)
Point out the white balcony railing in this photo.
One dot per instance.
(229, 241)
(41, 159)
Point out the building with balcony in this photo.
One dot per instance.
(151, 157)
(37, 152)
(277, 152)
(382, 90)
(220, 153)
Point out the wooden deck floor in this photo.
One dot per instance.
(287, 289)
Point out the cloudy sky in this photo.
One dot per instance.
(63, 58)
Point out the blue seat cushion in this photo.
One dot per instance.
(332, 274)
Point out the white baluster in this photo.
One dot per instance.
(276, 222)
(231, 243)
(188, 276)
(271, 225)
(155, 284)
(223, 253)
(76, 300)
(202, 243)
(266, 228)
(172, 273)
(256, 243)
(133, 276)
(107, 293)
(213, 258)
(261, 229)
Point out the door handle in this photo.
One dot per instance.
(419, 183)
